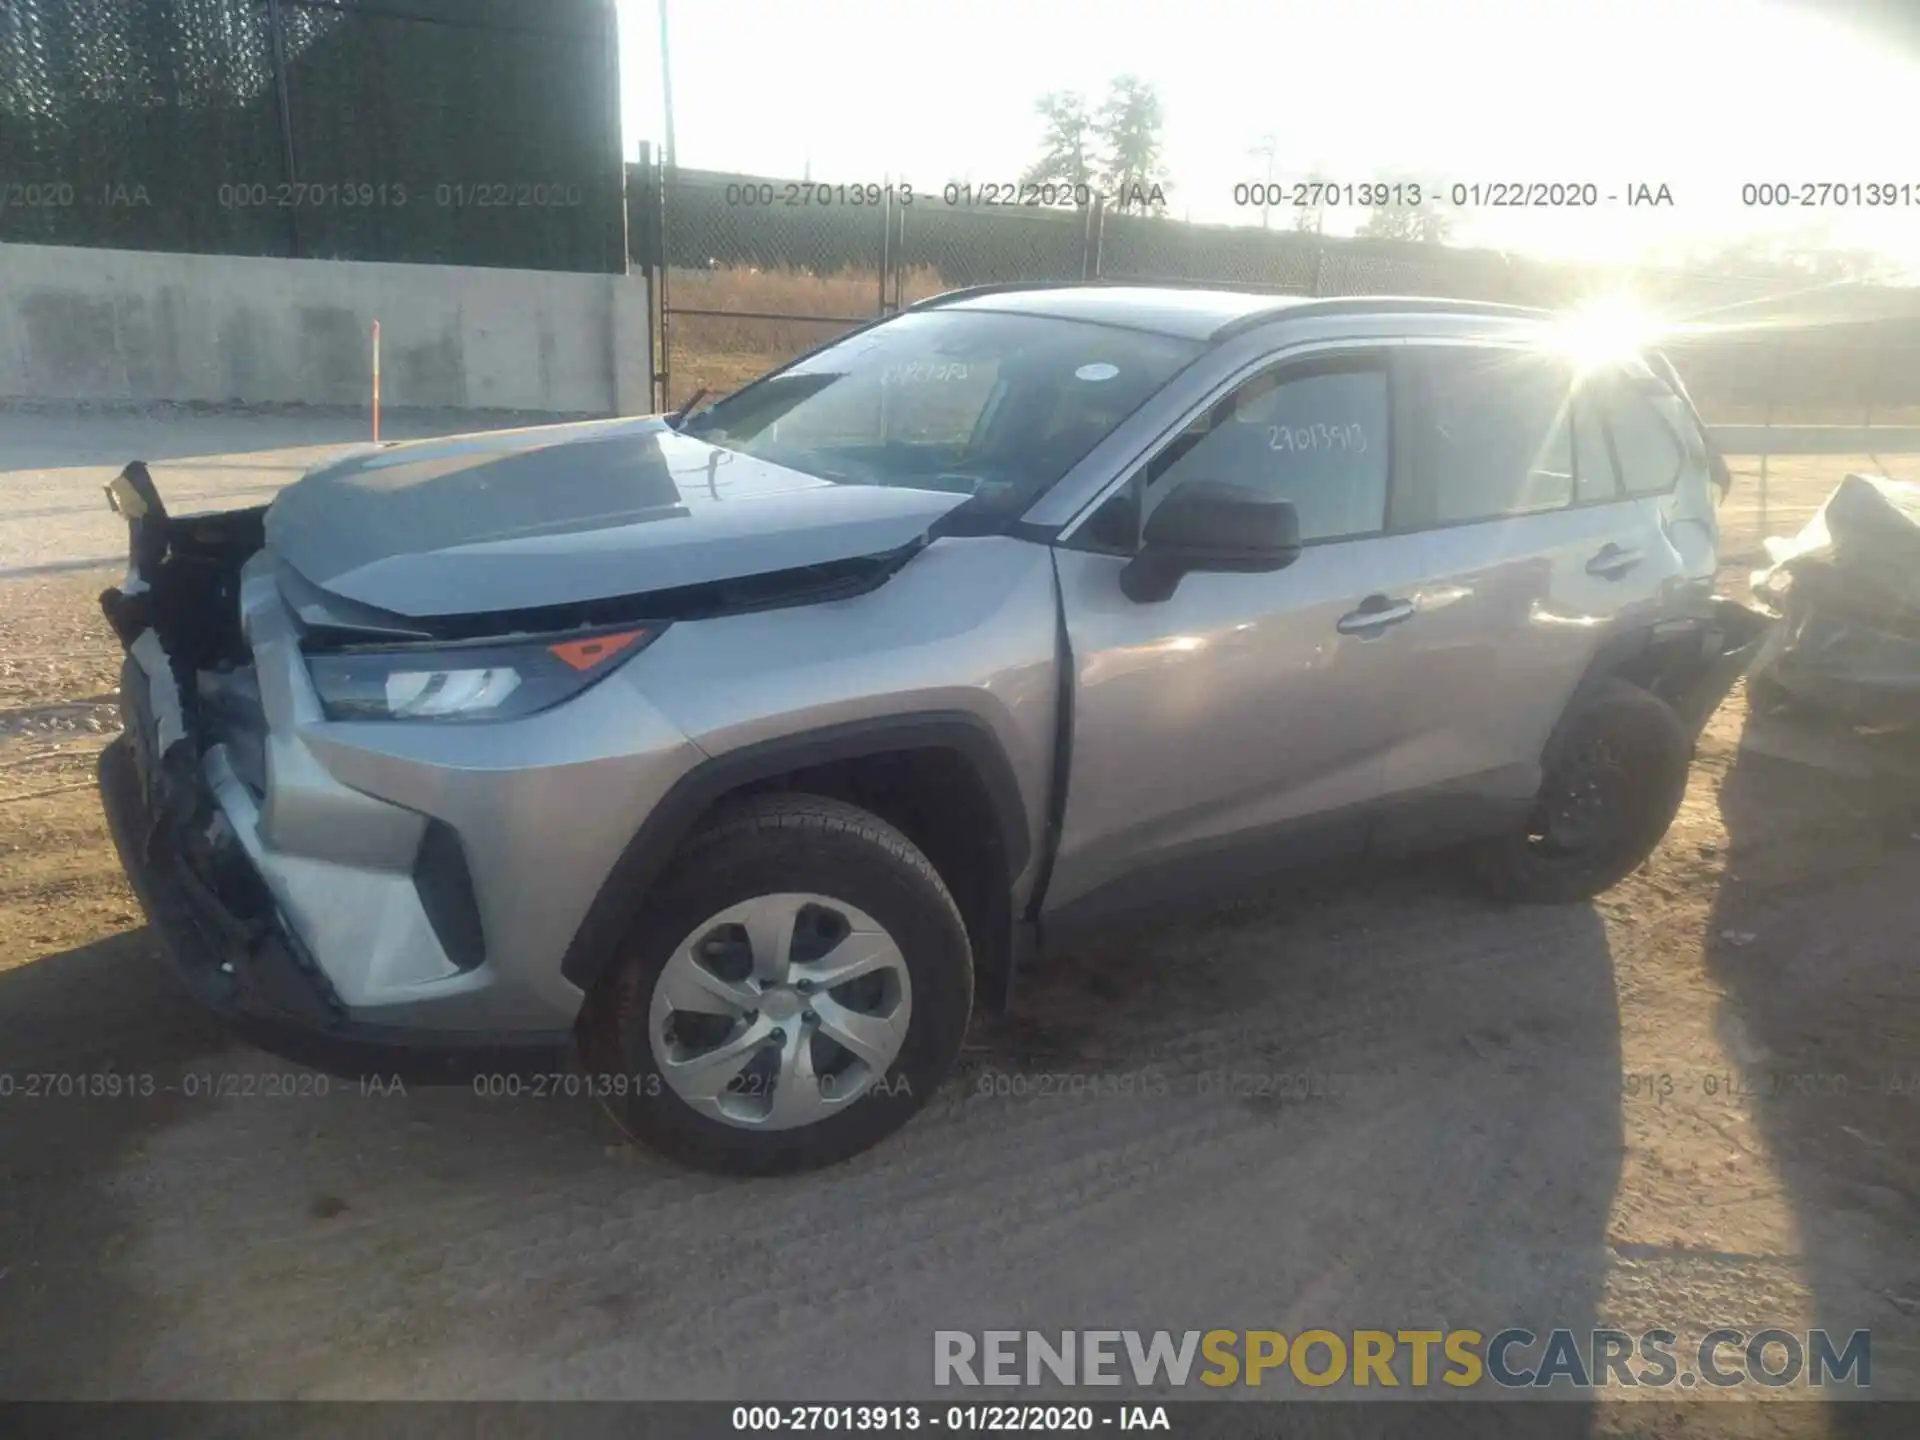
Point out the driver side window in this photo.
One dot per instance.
(1313, 434)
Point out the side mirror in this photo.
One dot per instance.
(1206, 525)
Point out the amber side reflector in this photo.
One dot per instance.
(585, 654)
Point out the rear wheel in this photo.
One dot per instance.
(796, 987)
(1609, 795)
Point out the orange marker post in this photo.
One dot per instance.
(376, 382)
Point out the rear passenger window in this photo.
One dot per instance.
(1315, 437)
(1595, 481)
(1491, 434)
(1646, 443)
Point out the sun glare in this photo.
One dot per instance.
(1606, 329)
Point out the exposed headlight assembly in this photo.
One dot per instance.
(483, 680)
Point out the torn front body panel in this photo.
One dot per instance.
(175, 613)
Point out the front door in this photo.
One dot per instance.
(1241, 722)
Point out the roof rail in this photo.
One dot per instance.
(1010, 287)
(1422, 304)
(1297, 304)
(1006, 287)
(1382, 305)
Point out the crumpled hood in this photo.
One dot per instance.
(561, 514)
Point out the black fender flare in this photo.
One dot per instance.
(666, 828)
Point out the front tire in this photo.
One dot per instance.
(1606, 801)
(794, 989)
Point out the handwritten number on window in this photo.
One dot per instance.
(1317, 437)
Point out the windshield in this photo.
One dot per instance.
(991, 405)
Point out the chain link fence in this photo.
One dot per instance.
(951, 245)
(752, 271)
(469, 132)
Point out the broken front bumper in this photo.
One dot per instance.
(188, 831)
(219, 928)
(399, 893)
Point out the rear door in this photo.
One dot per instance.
(1666, 465)
(1531, 553)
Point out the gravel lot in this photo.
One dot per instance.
(1516, 1116)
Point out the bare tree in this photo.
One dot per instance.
(1066, 154)
(1432, 226)
(1128, 128)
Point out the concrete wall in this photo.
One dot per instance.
(132, 325)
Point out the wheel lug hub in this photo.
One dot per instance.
(780, 1004)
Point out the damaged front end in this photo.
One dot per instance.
(176, 614)
(184, 684)
(192, 756)
(367, 829)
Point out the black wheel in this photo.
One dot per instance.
(1613, 788)
(795, 988)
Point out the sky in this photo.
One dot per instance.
(1698, 95)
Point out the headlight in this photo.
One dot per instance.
(491, 680)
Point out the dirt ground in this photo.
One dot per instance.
(1693, 1102)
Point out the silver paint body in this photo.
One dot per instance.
(557, 514)
(1236, 706)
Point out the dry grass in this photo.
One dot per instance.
(723, 353)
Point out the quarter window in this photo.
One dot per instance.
(1647, 442)
(1315, 437)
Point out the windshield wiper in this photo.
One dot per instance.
(679, 417)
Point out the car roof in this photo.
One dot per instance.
(1195, 312)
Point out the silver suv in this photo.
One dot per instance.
(730, 756)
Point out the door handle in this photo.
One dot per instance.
(1613, 561)
(1375, 614)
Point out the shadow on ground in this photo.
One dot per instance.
(83, 1035)
(1812, 941)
